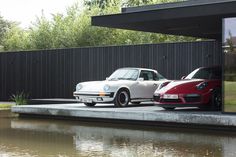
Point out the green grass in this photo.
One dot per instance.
(230, 96)
(5, 106)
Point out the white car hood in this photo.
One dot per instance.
(97, 86)
(93, 86)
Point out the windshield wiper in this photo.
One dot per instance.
(121, 78)
(129, 79)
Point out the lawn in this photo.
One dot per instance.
(5, 106)
(230, 96)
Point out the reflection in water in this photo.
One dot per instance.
(229, 47)
(23, 137)
(21, 142)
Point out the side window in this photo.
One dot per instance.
(155, 77)
(160, 77)
(216, 74)
(148, 75)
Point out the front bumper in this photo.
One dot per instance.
(94, 97)
(183, 100)
(180, 105)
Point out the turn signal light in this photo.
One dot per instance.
(102, 94)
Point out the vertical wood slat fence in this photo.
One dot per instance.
(54, 73)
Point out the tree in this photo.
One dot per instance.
(16, 39)
(4, 26)
(230, 42)
(73, 29)
(129, 3)
(41, 33)
(101, 3)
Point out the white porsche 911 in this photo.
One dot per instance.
(123, 86)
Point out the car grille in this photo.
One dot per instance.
(196, 98)
(156, 98)
(171, 100)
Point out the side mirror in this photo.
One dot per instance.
(183, 77)
(140, 79)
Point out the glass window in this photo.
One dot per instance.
(124, 74)
(229, 48)
(148, 75)
(160, 77)
(205, 73)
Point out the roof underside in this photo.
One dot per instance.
(196, 18)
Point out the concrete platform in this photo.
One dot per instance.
(145, 114)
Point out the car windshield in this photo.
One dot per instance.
(124, 74)
(205, 73)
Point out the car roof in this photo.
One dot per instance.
(138, 68)
(211, 67)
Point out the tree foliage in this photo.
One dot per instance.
(130, 3)
(230, 43)
(101, 3)
(73, 29)
(16, 39)
(4, 26)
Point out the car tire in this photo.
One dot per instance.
(169, 108)
(216, 100)
(122, 98)
(90, 104)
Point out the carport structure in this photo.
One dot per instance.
(195, 18)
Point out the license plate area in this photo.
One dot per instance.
(86, 100)
(170, 96)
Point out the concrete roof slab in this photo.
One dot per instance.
(191, 18)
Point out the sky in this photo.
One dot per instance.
(229, 25)
(25, 11)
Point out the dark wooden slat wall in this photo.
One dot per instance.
(54, 73)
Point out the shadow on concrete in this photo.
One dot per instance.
(112, 106)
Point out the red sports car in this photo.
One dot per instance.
(201, 88)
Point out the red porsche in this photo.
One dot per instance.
(201, 88)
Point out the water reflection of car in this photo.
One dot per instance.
(123, 86)
(201, 88)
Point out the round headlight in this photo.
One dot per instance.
(106, 87)
(162, 85)
(202, 85)
(78, 87)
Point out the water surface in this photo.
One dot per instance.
(62, 138)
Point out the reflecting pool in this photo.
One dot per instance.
(49, 138)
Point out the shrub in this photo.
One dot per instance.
(20, 98)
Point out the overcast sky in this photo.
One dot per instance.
(230, 25)
(25, 11)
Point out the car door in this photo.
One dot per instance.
(146, 87)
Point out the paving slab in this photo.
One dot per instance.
(142, 113)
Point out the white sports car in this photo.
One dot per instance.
(123, 86)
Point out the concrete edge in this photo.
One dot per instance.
(163, 117)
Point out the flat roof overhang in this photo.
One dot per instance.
(196, 18)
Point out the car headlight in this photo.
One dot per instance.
(162, 85)
(106, 87)
(78, 87)
(156, 94)
(202, 85)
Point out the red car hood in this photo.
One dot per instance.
(181, 86)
